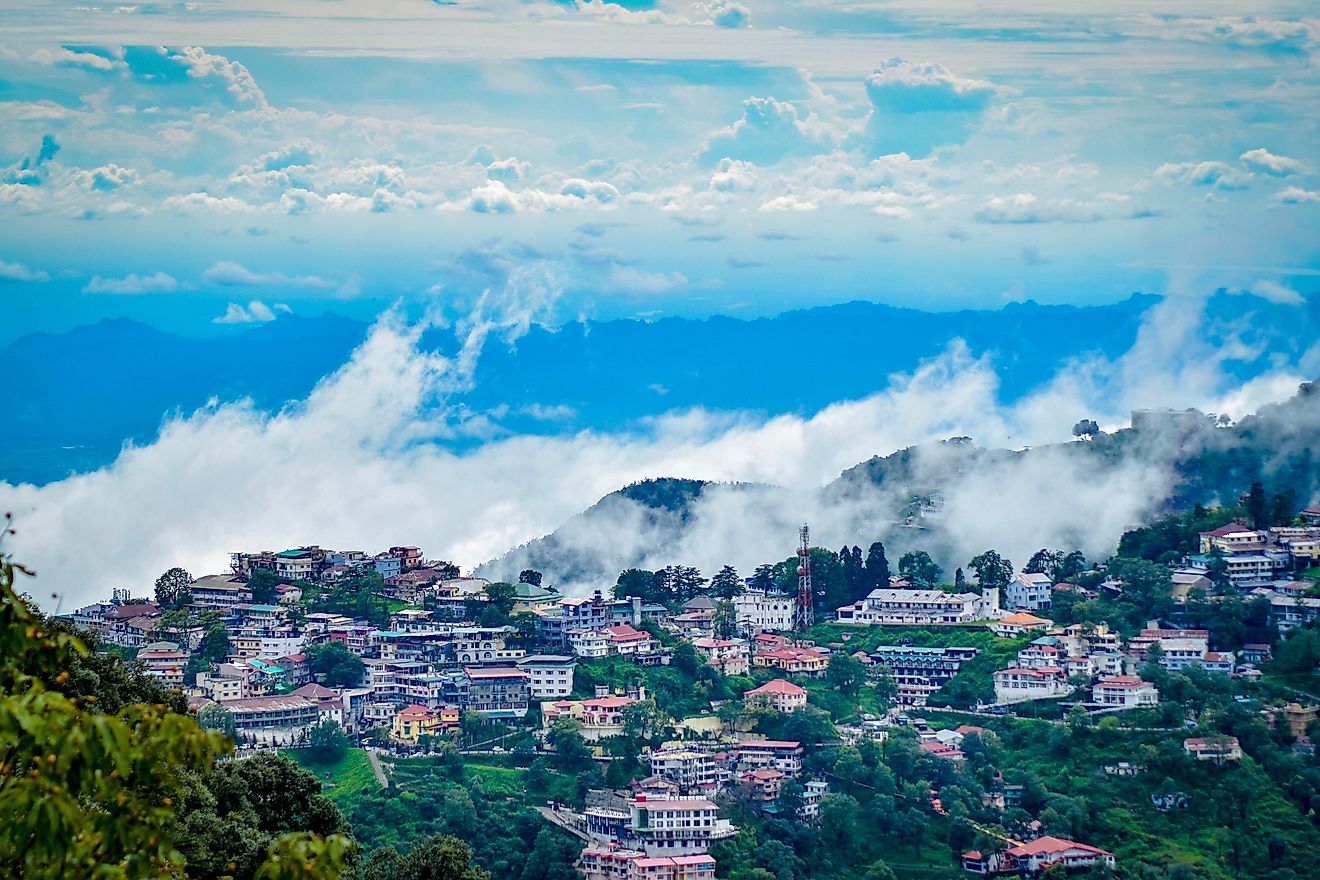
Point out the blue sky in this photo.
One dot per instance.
(201, 162)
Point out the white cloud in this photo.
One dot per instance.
(768, 131)
(722, 13)
(733, 174)
(1217, 174)
(1276, 292)
(1026, 208)
(19, 272)
(917, 107)
(256, 312)
(106, 178)
(1295, 195)
(90, 60)
(235, 77)
(201, 201)
(228, 273)
(157, 282)
(1266, 162)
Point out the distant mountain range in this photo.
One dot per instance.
(931, 496)
(73, 399)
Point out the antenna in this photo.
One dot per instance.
(804, 616)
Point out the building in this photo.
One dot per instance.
(167, 665)
(1126, 691)
(920, 672)
(728, 656)
(598, 718)
(675, 826)
(691, 771)
(1014, 625)
(624, 640)
(782, 696)
(920, 608)
(794, 661)
(1213, 748)
(411, 723)
(1034, 858)
(1029, 591)
(759, 611)
(219, 591)
(762, 784)
(1017, 685)
(550, 676)
(273, 719)
(300, 564)
(782, 755)
(593, 612)
(607, 862)
(496, 691)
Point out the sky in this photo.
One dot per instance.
(199, 165)
(205, 166)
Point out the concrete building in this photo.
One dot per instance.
(550, 676)
(1017, 685)
(1126, 691)
(904, 607)
(759, 611)
(1029, 591)
(782, 696)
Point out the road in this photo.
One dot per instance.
(555, 819)
(376, 768)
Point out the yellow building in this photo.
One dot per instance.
(414, 722)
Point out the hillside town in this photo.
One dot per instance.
(403, 653)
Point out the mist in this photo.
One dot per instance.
(372, 458)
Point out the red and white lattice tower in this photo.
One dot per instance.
(804, 615)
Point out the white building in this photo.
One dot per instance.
(551, 675)
(1017, 685)
(729, 656)
(1126, 691)
(920, 607)
(691, 770)
(1028, 591)
(758, 611)
(588, 643)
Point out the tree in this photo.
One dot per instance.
(725, 622)
(877, 567)
(634, 582)
(726, 584)
(441, 857)
(1257, 510)
(214, 716)
(262, 583)
(959, 579)
(919, 568)
(845, 673)
(501, 596)
(792, 799)
(530, 576)
(338, 666)
(1047, 562)
(1086, 428)
(173, 588)
(763, 578)
(328, 742)
(215, 643)
(910, 827)
(992, 570)
(685, 658)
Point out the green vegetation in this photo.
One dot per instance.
(342, 779)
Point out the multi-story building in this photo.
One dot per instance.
(794, 661)
(1030, 591)
(411, 723)
(299, 564)
(902, 607)
(783, 755)
(669, 826)
(920, 672)
(1016, 685)
(496, 691)
(729, 656)
(758, 611)
(165, 664)
(273, 719)
(1033, 858)
(550, 676)
(782, 696)
(1013, 625)
(691, 770)
(1127, 691)
(593, 612)
(598, 718)
(611, 862)
(219, 591)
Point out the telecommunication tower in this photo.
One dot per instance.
(804, 615)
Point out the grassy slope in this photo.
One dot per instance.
(351, 774)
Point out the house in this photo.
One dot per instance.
(273, 719)
(613, 862)
(795, 661)
(219, 591)
(902, 607)
(762, 784)
(1213, 748)
(1034, 858)
(1016, 685)
(530, 597)
(1014, 625)
(624, 640)
(729, 656)
(1299, 718)
(783, 755)
(167, 665)
(691, 771)
(588, 643)
(496, 691)
(411, 723)
(919, 672)
(550, 675)
(782, 696)
(698, 615)
(598, 718)
(1029, 591)
(1126, 691)
(1187, 580)
(943, 750)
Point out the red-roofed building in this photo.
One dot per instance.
(941, 750)
(795, 661)
(605, 862)
(1127, 691)
(1034, 858)
(780, 695)
(1213, 748)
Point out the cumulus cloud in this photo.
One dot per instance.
(233, 76)
(916, 107)
(20, 272)
(157, 282)
(1264, 161)
(91, 60)
(255, 312)
(1026, 208)
(1295, 195)
(228, 273)
(31, 169)
(1276, 292)
(1217, 174)
(768, 131)
(722, 13)
(106, 178)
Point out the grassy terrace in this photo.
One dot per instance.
(349, 776)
